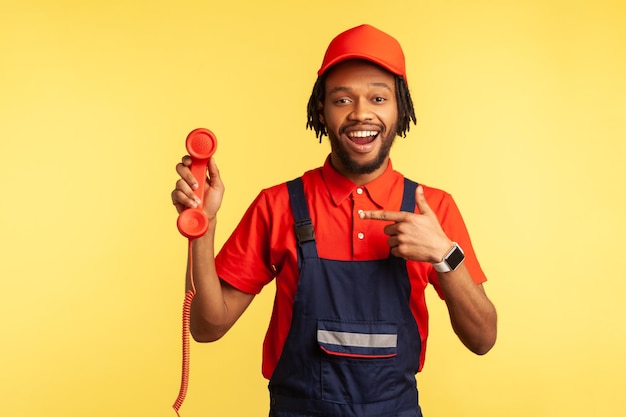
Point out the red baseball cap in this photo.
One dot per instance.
(368, 43)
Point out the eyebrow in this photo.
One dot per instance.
(342, 89)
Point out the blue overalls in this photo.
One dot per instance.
(353, 348)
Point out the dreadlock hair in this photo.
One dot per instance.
(406, 111)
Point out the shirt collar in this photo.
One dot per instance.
(341, 187)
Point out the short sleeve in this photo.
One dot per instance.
(244, 260)
(453, 225)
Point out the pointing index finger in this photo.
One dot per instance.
(392, 216)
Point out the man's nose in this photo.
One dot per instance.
(361, 110)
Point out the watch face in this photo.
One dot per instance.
(455, 258)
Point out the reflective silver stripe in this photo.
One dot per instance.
(357, 339)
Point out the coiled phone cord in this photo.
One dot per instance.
(184, 380)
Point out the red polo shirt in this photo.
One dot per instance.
(263, 246)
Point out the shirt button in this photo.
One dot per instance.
(359, 190)
(360, 236)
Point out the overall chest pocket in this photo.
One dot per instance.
(358, 361)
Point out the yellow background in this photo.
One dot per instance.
(522, 117)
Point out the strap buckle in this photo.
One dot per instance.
(304, 231)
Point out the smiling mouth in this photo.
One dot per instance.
(362, 137)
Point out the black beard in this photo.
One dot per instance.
(354, 167)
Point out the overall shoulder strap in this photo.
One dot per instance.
(408, 198)
(305, 235)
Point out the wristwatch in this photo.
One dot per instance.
(452, 260)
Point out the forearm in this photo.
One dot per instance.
(473, 316)
(209, 318)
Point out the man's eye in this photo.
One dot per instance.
(380, 99)
(342, 101)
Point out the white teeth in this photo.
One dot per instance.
(362, 133)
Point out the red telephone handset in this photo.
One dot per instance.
(201, 144)
(193, 223)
